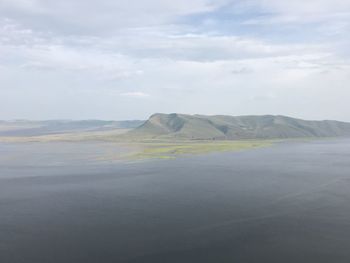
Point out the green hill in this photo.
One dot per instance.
(220, 127)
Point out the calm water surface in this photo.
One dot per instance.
(287, 203)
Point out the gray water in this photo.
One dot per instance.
(286, 203)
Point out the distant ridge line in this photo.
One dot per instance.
(225, 127)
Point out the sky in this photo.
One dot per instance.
(117, 60)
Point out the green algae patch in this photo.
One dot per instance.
(169, 150)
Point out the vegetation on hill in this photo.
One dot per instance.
(220, 127)
(170, 135)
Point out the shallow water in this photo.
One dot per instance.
(286, 203)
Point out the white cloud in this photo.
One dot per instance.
(94, 57)
(306, 7)
(296, 12)
(102, 17)
(136, 94)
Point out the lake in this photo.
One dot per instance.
(285, 203)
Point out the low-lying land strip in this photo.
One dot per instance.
(147, 148)
(169, 149)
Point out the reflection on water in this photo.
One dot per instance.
(287, 203)
(60, 153)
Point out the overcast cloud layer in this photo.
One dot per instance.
(113, 59)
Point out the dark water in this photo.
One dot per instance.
(287, 203)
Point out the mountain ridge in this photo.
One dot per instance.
(226, 127)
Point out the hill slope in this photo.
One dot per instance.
(199, 127)
(37, 128)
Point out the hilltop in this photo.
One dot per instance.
(221, 127)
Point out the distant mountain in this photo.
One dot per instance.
(35, 128)
(220, 127)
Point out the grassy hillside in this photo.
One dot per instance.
(220, 127)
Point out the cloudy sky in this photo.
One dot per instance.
(114, 59)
